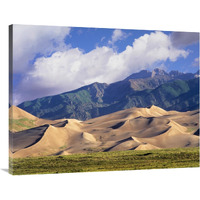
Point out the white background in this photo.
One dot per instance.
(144, 184)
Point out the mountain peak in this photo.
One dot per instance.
(144, 74)
(158, 72)
(139, 75)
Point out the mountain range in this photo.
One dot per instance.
(171, 91)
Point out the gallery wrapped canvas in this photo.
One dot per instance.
(94, 99)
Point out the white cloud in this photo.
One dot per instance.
(71, 69)
(117, 35)
(31, 40)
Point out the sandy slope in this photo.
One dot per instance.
(16, 114)
(131, 129)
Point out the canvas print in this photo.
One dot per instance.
(95, 99)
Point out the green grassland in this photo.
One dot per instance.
(107, 161)
(16, 125)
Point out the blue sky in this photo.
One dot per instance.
(50, 60)
(88, 38)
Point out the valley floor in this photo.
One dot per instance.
(107, 161)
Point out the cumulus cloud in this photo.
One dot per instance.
(71, 69)
(183, 39)
(29, 41)
(117, 35)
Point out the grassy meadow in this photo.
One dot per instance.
(16, 125)
(107, 161)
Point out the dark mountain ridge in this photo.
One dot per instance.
(174, 74)
(174, 90)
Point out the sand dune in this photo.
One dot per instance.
(18, 113)
(146, 146)
(20, 120)
(88, 137)
(131, 129)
